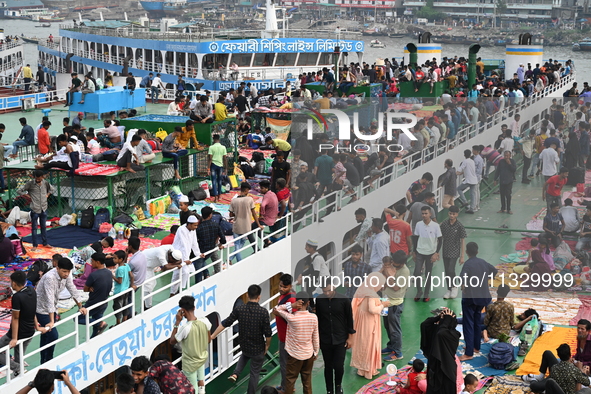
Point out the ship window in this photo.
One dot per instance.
(263, 59)
(286, 59)
(242, 59)
(326, 58)
(308, 59)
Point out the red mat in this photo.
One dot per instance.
(90, 169)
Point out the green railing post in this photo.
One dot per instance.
(110, 192)
(73, 194)
(148, 183)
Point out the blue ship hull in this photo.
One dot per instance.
(153, 5)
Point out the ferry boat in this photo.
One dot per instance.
(583, 45)
(94, 362)
(215, 59)
(11, 59)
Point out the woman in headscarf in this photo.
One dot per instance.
(572, 151)
(439, 343)
(536, 269)
(367, 306)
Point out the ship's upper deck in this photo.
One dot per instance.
(200, 33)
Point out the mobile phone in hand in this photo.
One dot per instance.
(58, 375)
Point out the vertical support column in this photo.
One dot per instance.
(148, 183)
(110, 191)
(174, 69)
(200, 65)
(187, 68)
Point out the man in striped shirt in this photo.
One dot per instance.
(302, 341)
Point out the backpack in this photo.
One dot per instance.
(197, 195)
(223, 223)
(87, 217)
(566, 94)
(501, 354)
(247, 170)
(102, 215)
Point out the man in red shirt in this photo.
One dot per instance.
(169, 239)
(269, 209)
(287, 296)
(400, 231)
(43, 138)
(552, 190)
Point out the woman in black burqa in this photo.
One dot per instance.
(439, 343)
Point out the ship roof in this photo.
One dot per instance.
(183, 25)
(110, 24)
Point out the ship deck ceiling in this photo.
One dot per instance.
(208, 34)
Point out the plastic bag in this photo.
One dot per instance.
(205, 186)
(161, 133)
(65, 220)
(139, 212)
(238, 173)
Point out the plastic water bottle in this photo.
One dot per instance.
(120, 234)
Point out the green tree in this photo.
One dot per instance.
(501, 7)
(430, 13)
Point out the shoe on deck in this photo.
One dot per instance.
(386, 351)
(392, 357)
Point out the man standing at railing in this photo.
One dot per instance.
(254, 335)
(24, 322)
(27, 77)
(49, 288)
(185, 240)
(193, 336)
(99, 285)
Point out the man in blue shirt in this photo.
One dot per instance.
(476, 274)
(255, 140)
(26, 138)
(146, 80)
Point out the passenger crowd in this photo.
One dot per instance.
(318, 318)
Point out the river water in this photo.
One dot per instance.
(394, 48)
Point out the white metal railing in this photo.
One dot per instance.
(225, 262)
(207, 34)
(15, 63)
(9, 45)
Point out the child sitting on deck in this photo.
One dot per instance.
(470, 384)
(414, 379)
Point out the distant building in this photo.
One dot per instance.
(538, 10)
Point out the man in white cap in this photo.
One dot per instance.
(185, 240)
(165, 257)
(317, 268)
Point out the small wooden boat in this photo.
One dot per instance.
(377, 44)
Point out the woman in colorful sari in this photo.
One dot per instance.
(367, 306)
